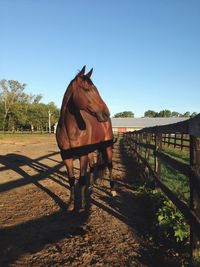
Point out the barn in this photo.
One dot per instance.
(122, 125)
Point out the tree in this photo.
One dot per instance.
(124, 114)
(12, 91)
(186, 114)
(54, 111)
(165, 113)
(37, 99)
(150, 114)
(193, 114)
(1, 113)
(175, 114)
(38, 115)
(17, 116)
(19, 110)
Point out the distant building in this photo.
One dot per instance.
(122, 125)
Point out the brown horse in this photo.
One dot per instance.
(84, 126)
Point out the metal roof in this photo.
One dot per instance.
(144, 122)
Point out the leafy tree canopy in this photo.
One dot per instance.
(124, 114)
(150, 114)
(21, 110)
(167, 113)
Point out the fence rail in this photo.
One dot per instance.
(25, 132)
(181, 135)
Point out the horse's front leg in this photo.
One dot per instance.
(70, 170)
(109, 154)
(83, 179)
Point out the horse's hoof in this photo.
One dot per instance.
(113, 193)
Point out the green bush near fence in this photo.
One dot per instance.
(167, 224)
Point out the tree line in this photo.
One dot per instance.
(22, 111)
(168, 113)
(153, 114)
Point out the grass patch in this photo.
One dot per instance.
(181, 155)
(18, 138)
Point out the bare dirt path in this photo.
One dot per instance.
(36, 229)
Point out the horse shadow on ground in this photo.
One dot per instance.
(33, 235)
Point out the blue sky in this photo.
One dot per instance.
(145, 53)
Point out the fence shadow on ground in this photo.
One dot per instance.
(33, 235)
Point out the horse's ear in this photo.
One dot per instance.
(82, 72)
(89, 74)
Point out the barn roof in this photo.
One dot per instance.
(144, 122)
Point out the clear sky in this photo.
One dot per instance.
(145, 53)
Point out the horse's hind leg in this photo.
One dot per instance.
(109, 164)
(83, 179)
(70, 170)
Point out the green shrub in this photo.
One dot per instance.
(166, 222)
(172, 222)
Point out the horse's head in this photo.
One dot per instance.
(86, 96)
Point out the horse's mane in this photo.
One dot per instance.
(67, 94)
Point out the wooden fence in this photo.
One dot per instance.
(183, 135)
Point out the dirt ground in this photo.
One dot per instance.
(37, 230)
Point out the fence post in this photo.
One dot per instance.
(169, 139)
(158, 147)
(194, 198)
(137, 146)
(140, 141)
(148, 141)
(175, 137)
(182, 137)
